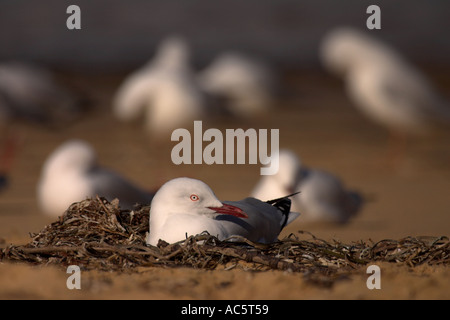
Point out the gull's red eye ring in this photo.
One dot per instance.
(194, 197)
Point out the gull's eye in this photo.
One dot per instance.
(194, 197)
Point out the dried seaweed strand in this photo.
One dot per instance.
(97, 234)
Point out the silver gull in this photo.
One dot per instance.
(246, 84)
(322, 196)
(382, 84)
(184, 207)
(71, 174)
(165, 91)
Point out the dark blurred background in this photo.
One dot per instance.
(119, 35)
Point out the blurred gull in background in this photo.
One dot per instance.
(184, 207)
(71, 174)
(164, 91)
(246, 85)
(30, 93)
(383, 85)
(8, 149)
(322, 196)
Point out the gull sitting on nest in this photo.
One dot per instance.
(187, 207)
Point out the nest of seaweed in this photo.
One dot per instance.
(97, 234)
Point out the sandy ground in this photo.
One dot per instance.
(409, 197)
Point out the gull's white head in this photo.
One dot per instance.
(72, 156)
(173, 52)
(185, 206)
(189, 196)
(343, 48)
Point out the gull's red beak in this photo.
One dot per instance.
(230, 210)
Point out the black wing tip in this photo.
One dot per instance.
(284, 205)
(282, 198)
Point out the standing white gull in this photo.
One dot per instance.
(164, 91)
(384, 86)
(71, 174)
(322, 195)
(185, 206)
